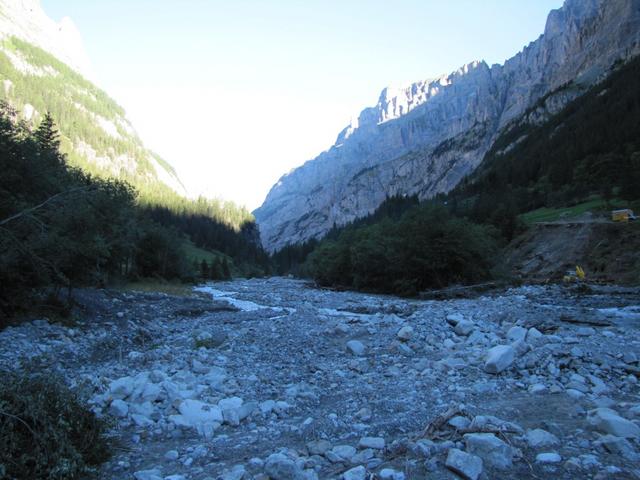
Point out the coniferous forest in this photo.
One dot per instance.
(62, 228)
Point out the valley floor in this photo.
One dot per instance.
(272, 378)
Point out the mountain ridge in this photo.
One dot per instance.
(425, 140)
(44, 68)
(27, 20)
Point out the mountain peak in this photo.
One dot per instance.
(26, 20)
(423, 138)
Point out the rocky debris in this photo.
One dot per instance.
(466, 465)
(283, 396)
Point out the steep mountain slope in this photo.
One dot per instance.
(423, 139)
(25, 19)
(41, 69)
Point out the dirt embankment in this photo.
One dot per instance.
(608, 252)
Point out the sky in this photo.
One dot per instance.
(236, 93)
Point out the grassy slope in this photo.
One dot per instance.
(596, 205)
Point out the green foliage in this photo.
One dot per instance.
(81, 111)
(425, 248)
(211, 225)
(46, 432)
(590, 148)
(584, 158)
(595, 204)
(289, 259)
(159, 253)
(60, 227)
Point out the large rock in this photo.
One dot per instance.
(548, 457)
(281, 467)
(376, 443)
(464, 328)
(119, 408)
(153, 474)
(122, 387)
(356, 347)
(356, 473)
(620, 446)
(491, 449)
(608, 421)
(341, 453)
(464, 464)
(499, 358)
(194, 413)
(539, 438)
(405, 333)
(516, 334)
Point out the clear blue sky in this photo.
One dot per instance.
(236, 93)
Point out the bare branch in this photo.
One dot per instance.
(47, 201)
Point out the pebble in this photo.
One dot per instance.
(549, 457)
(376, 443)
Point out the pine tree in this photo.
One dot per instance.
(226, 272)
(204, 269)
(47, 135)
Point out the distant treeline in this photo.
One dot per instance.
(61, 227)
(592, 147)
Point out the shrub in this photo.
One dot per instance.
(46, 432)
(426, 248)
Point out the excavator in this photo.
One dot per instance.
(625, 215)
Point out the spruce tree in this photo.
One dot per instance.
(204, 269)
(47, 135)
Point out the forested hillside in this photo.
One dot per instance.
(95, 133)
(61, 227)
(96, 137)
(591, 149)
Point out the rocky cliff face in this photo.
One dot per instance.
(25, 19)
(43, 67)
(424, 138)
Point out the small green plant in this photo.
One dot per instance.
(207, 343)
(46, 432)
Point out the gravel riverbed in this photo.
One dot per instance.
(272, 378)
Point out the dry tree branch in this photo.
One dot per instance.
(40, 205)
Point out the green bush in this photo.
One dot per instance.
(46, 432)
(426, 248)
